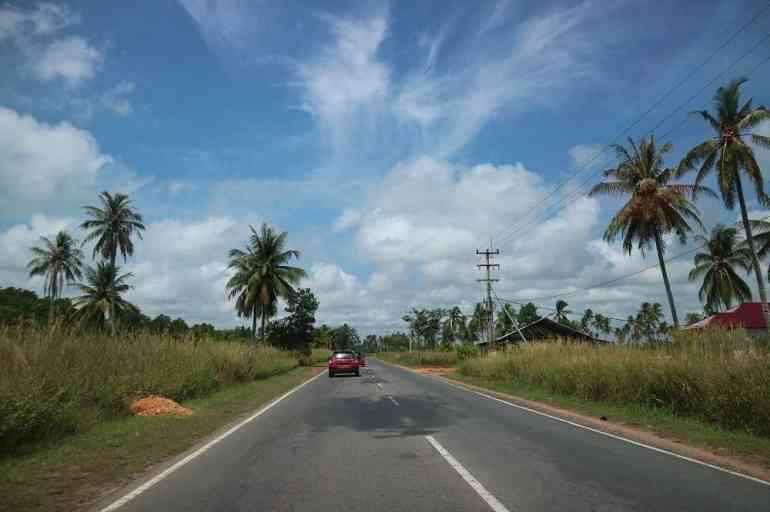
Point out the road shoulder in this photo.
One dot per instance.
(675, 435)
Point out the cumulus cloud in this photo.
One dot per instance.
(36, 33)
(72, 59)
(180, 268)
(15, 243)
(421, 227)
(41, 162)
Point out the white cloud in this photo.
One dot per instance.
(177, 187)
(349, 218)
(223, 22)
(366, 112)
(48, 56)
(42, 162)
(531, 66)
(15, 243)
(72, 59)
(44, 18)
(180, 268)
(582, 155)
(116, 99)
(345, 84)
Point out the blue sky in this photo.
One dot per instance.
(390, 139)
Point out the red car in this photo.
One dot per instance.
(344, 362)
(361, 359)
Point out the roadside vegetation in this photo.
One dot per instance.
(719, 377)
(63, 381)
(69, 363)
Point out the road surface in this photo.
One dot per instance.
(392, 440)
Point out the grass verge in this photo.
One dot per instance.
(740, 444)
(72, 473)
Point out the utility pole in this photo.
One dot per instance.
(489, 280)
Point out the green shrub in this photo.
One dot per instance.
(722, 377)
(466, 351)
(54, 383)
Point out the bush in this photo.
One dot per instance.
(466, 351)
(55, 383)
(721, 377)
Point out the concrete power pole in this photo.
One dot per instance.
(489, 280)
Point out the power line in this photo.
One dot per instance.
(624, 277)
(617, 279)
(519, 225)
(579, 190)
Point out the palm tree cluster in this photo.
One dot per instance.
(112, 225)
(658, 207)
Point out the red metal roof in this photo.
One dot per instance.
(748, 316)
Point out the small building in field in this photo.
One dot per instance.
(545, 329)
(746, 316)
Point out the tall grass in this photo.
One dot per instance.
(722, 377)
(58, 382)
(420, 358)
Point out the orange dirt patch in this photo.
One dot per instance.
(158, 406)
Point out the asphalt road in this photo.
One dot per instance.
(392, 440)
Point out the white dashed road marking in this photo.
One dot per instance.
(470, 479)
(392, 400)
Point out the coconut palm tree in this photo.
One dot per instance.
(729, 154)
(478, 321)
(561, 312)
(59, 261)
(456, 321)
(262, 275)
(716, 266)
(655, 206)
(102, 295)
(112, 226)
(760, 230)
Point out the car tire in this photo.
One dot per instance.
(331, 374)
(358, 373)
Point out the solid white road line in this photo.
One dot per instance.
(157, 478)
(603, 433)
(393, 400)
(475, 484)
(619, 438)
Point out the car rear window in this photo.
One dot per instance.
(344, 355)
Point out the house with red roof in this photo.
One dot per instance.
(747, 316)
